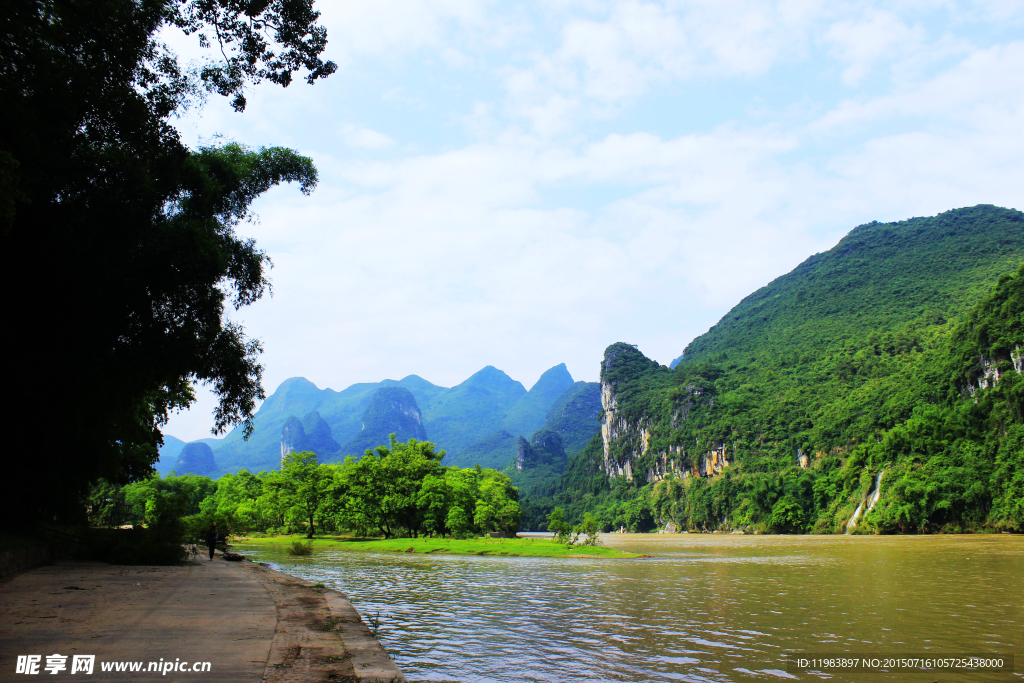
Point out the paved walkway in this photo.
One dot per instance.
(250, 623)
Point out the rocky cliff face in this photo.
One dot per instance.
(311, 434)
(627, 434)
(986, 373)
(293, 436)
(544, 449)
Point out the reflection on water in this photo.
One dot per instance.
(705, 608)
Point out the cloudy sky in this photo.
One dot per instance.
(523, 184)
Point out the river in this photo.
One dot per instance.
(705, 607)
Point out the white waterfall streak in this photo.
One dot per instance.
(870, 500)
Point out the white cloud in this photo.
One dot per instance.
(534, 212)
(391, 29)
(365, 138)
(864, 42)
(988, 82)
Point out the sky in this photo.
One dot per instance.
(523, 184)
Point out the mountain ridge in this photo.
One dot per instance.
(782, 415)
(455, 419)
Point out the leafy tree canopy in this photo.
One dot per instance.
(119, 244)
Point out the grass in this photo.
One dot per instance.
(494, 547)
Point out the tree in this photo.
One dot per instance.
(384, 485)
(558, 526)
(787, 516)
(305, 484)
(589, 528)
(119, 250)
(434, 500)
(497, 508)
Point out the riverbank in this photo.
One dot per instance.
(239, 621)
(493, 547)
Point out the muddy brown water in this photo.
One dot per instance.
(705, 607)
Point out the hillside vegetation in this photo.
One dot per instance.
(864, 359)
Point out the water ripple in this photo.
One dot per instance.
(704, 609)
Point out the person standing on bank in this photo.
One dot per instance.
(211, 539)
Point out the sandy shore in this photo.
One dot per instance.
(250, 623)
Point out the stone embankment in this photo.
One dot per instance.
(252, 624)
(18, 559)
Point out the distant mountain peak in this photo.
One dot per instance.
(392, 410)
(557, 377)
(196, 458)
(312, 433)
(494, 378)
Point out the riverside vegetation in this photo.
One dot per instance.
(398, 490)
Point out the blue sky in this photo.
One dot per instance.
(523, 184)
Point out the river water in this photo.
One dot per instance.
(705, 607)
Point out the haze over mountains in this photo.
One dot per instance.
(477, 421)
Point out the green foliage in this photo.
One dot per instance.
(878, 355)
(588, 528)
(304, 486)
(301, 549)
(138, 230)
(398, 490)
(558, 526)
(787, 516)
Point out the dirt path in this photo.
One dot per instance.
(250, 623)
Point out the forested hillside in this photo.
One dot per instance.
(860, 361)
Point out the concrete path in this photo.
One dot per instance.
(250, 623)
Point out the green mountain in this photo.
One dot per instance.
(575, 416)
(392, 410)
(459, 420)
(341, 410)
(494, 452)
(311, 433)
(530, 411)
(195, 458)
(784, 415)
(169, 454)
(470, 411)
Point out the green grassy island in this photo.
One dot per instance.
(497, 547)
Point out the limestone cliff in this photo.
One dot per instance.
(628, 428)
(545, 448)
(311, 434)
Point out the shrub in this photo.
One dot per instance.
(300, 548)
